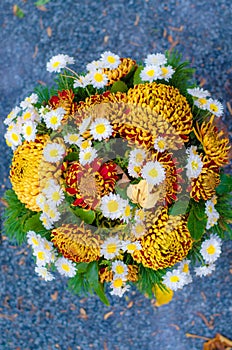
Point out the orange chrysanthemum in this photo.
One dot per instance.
(121, 71)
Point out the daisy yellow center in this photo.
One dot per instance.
(161, 144)
(213, 107)
(28, 130)
(41, 255)
(211, 250)
(10, 127)
(111, 59)
(15, 137)
(111, 248)
(186, 268)
(65, 267)
(56, 64)
(141, 215)
(153, 173)
(139, 229)
(55, 196)
(210, 209)
(119, 269)
(27, 115)
(131, 246)
(46, 208)
(150, 72)
(194, 165)
(202, 101)
(52, 214)
(164, 70)
(117, 283)
(174, 279)
(98, 77)
(73, 138)
(127, 210)
(54, 120)
(87, 156)
(85, 144)
(46, 246)
(139, 157)
(53, 152)
(100, 128)
(137, 169)
(112, 206)
(35, 241)
(28, 99)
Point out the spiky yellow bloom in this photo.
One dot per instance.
(205, 184)
(105, 274)
(121, 71)
(24, 174)
(132, 275)
(76, 243)
(166, 242)
(216, 147)
(65, 99)
(167, 104)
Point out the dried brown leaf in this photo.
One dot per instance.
(54, 295)
(49, 31)
(137, 19)
(131, 303)
(106, 39)
(42, 8)
(83, 314)
(175, 326)
(218, 343)
(105, 347)
(229, 107)
(108, 314)
(35, 51)
(175, 29)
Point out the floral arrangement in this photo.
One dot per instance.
(118, 176)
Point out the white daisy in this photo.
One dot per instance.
(157, 59)
(29, 131)
(119, 269)
(48, 185)
(47, 223)
(134, 169)
(65, 267)
(29, 101)
(44, 273)
(201, 103)
(137, 156)
(138, 229)
(53, 118)
(126, 214)
(12, 115)
(53, 214)
(101, 129)
(211, 249)
(174, 279)
(215, 107)
(160, 144)
(112, 206)
(184, 267)
(40, 200)
(85, 144)
(47, 245)
(84, 125)
(98, 79)
(194, 163)
(55, 195)
(204, 270)
(94, 65)
(166, 72)
(130, 247)
(42, 255)
(34, 239)
(73, 139)
(139, 215)
(153, 173)
(150, 73)
(58, 62)
(30, 114)
(13, 137)
(53, 152)
(110, 248)
(110, 60)
(87, 155)
(82, 81)
(211, 213)
(119, 287)
(198, 92)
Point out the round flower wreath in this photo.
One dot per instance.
(117, 176)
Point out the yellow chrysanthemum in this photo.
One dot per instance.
(216, 147)
(76, 243)
(24, 174)
(167, 241)
(121, 71)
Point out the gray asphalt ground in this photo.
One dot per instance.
(35, 315)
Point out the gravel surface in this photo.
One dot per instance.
(35, 315)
